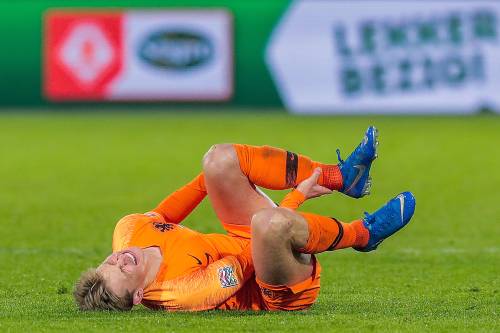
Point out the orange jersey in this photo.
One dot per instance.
(183, 249)
(198, 272)
(207, 271)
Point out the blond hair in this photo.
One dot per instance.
(91, 293)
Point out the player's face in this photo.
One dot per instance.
(124, 270)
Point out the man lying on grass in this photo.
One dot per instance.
(266, 261)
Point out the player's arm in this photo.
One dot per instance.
(181, 203)
(208, 287)
(307, 189)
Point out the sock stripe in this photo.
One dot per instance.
(292, 163)
(339, 235)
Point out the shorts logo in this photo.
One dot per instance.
(162, 227)
(267, 292)
(226, 277)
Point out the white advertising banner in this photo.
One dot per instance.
(177, 55)
(387, 56)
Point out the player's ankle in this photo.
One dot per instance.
(362, 234)
(332, 178)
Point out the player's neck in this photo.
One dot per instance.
(154, 259)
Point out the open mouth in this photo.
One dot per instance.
(131, 256)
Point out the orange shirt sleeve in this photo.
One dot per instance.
(181, 203)
(293, 200)
(203, 289)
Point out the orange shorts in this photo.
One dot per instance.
(258, 295)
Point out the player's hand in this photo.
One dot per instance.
(310, 188)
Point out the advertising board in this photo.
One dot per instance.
(387, 56)
(174, 55)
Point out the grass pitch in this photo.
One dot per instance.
(66, 178)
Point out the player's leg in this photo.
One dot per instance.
(279, 169)
(277, 234)
(289, 279)
(234, 198)
(232, 170)
(282, 239)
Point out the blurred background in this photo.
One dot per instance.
(107, 106)
(310, 56)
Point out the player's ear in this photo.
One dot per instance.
(138, 294)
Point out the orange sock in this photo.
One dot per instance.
(327, 234)
(278, 169)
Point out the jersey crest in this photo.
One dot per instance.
(162, 227)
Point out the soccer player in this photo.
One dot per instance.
(266, 261)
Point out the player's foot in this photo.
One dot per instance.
(356, 168)
(393, 216)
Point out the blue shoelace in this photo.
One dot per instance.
(341, 161)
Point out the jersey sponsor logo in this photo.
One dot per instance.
(227, 278)
(176, 49)
(162, 227)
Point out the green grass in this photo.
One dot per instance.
(66, 178)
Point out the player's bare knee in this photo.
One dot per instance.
(271, 225)
(219, 159)
(261, 219)
(280, 221)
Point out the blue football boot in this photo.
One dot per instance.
(393, 216)
(355, 169)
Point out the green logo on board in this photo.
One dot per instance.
(176, 50)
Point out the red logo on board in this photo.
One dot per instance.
(83, 53)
